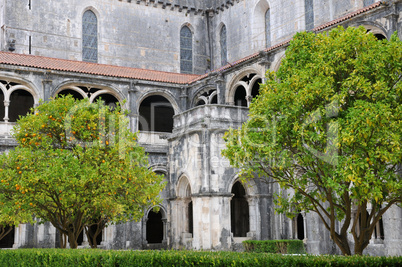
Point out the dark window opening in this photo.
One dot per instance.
(239, 211)
(80, 238)
(186, 50)
(154, 233)
(214, 99)
(248, 78)
(224, 52)
(240, 97)
(190, 217)
(2, 108)
(71, 92)
(200, 103)
(256, 88)
(21, 102)
(8, 240)
(156, 115)
(300, 226)
(108, 99)
(379, 230)
(380, 37)
(89, 37)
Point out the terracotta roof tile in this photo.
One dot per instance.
(48, 63)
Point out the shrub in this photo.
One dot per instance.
(95, 257)
(275, 246)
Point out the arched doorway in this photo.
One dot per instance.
(154, 227)
(239, 211)
(21, 102)
(156, 114)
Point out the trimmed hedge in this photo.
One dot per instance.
(293, 246)
(93, 257)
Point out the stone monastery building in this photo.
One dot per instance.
(187, 70)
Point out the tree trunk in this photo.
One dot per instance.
(72, 240)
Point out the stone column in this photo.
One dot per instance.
(6, 105)
(392, 20)
(392, 220)
(183, 98)
(47, 89)
(132, 96)
(220, 89)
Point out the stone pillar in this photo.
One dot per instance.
(6, 105)
(108, 237)
(392, 220)
(132, 97)
(183, 98)
(254, 218)
(220, 89)
(47, 89)
(392, 20)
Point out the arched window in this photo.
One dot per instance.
(268, 28)
(89, 37)
(224, 51)
(309, 14)
(156, 114)
(186, 50)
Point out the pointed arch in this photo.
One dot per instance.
(259, 25)
(186, 50)
(223, 45)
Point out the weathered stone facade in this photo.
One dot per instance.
(181, 118)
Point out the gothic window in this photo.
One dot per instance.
(309, 14)
(246, 89)
(367, 2)
(186, 50)
(156, 114)
(89, 37)
(224, 52)
(207, 97)
(268, 28)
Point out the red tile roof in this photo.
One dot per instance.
(48, 63)
(143, 74)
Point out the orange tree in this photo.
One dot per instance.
(328, 127)
(77, 162)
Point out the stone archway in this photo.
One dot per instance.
(155, 224)
(239, 211)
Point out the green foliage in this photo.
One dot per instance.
(275, 246)
(89, 258)
(77, 162)
(328, 126)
